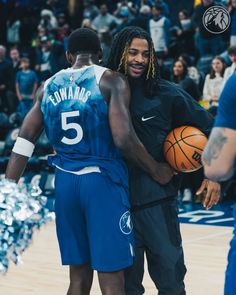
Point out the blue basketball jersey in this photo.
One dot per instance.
(76, 123)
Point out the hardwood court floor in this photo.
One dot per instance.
(206, 249)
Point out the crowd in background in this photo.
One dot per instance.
(33, 41)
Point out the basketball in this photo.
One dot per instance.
(183, 148)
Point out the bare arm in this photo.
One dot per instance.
(31, 129)
(219, 154)
(123, 133)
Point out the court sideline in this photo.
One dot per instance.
(206, 249)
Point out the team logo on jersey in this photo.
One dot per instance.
(72, 78)
(125, 223)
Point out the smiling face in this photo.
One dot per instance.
(138, 57)
(178, 69)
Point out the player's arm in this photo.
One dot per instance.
(116, 89)
(219, 154)
(30, 131)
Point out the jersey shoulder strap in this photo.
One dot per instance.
(99, 71)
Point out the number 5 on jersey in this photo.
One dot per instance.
(71, 126)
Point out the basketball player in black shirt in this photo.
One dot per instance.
(157, 106)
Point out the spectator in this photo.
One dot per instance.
(193, 72)
(230, 70)
(49, 58)
(15, 58)
(90, 10)
(206, 42)
(48, 21)
(15, 67)
(232, 11)
(214, 81)
(13, 30)
(185, 33)
(26, 85)
(180, 76)
(142, 19)
(159, 28)
(125, 7)
(140, 3)
(164, 6)
(105, 20)
(63, 29)
(86, 23)
(5, 78)
(106, 40)
(124, 17)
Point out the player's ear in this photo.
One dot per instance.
(69, 57)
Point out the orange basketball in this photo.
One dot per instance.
(183, 148)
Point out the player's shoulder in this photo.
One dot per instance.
(232, 79)
(172, 92)
(169, 89)
(53, 77)
(113, 77)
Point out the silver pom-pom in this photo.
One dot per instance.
(22, 209)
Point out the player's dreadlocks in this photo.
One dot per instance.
(119, 51)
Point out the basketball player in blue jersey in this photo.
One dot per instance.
(84, 110)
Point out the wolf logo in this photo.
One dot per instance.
(216, 19)
(126, 225)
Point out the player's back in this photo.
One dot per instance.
(76, 119)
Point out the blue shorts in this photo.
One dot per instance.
(93, 221)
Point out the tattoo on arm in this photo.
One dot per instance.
(213, 150)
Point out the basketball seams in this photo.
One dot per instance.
(182, 150)
(187, 152)
(176, 165)
(193, 146)
(182, 139)
(181, 133)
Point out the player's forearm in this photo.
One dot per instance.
(16, 166)
(137, 153)
(219, 154)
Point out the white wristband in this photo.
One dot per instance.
(23, 147)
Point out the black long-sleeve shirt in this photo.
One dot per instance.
(153, 119)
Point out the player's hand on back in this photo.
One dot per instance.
(163, 173)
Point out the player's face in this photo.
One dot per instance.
(138, 57)
(217, 65)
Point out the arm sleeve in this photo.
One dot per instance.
(187, 111)
(226, 113)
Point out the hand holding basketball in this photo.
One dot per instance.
(183, 148)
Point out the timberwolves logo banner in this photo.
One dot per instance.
(216, 19)
(125, 223)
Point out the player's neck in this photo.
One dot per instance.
(84, 59)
